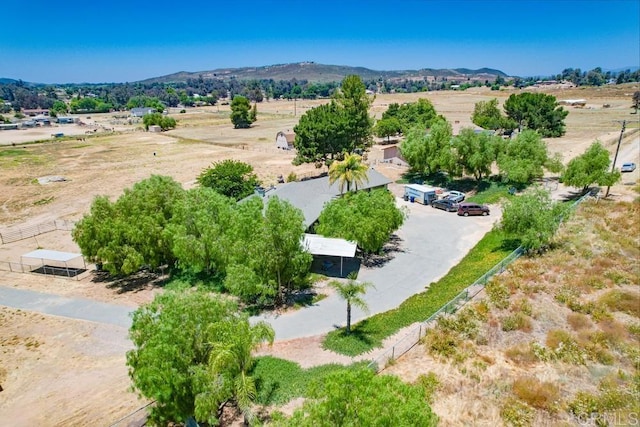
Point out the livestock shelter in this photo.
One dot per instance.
(329, 247)
(54, 263)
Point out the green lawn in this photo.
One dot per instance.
(370, 333)
(278, 380)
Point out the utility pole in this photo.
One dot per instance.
(615, 158)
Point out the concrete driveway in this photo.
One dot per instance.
(431, 242)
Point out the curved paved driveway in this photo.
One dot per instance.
(433, 241)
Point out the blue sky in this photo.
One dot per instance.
(119, 41)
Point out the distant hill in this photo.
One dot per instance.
(321, 73)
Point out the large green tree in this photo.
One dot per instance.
(158, 119)
(352, 292)
(386, 128)
(321, 134)
(429, 151)
(270, 260)
(487, 115)
(591, 167)
(192, 355)
(348, 172)
(199, 231)
(359, 397)
(476, 152)
(231, 178)
(241, 116)
(368, 218)
(523, 158)
(537, 111)
(129, 234)
(421, 114)
(533, 218)
(355, 102)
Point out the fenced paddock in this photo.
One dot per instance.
(15, 234)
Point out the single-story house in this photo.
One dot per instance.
(142, 111)
(66, 120)
(35, 112)
(284, 140)
(311, 195)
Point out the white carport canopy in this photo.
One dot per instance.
(319, 245)
(49, 255)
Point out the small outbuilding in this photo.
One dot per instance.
(142, 111)
(284, 140)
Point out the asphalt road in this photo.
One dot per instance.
(74, 308)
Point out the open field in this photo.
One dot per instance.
(105, 163)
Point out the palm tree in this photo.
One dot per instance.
(350, 170)
(352, 292)
(231, 361)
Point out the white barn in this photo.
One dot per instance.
(284, 140)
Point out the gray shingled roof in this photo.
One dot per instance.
(310, 196)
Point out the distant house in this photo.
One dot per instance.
(35, 112)
(142, 111)
(573, 102)
(66, 120)
(284, 140)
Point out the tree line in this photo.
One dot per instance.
(116, 96)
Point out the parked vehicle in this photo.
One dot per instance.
(466, 209)
(456, 196)
(628, 167)
(445, 204)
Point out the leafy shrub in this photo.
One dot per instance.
(292, 177)
(498, 294)
(517, 414)
(562, 346)
(541, 395)
(430, 384)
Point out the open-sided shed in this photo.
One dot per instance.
(55, 262)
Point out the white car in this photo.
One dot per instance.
(628, 167)
(456, 196)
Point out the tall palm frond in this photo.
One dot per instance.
(349, 171)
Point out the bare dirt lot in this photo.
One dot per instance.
(58, 371)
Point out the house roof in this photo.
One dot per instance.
(310, 196)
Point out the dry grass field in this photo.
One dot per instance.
(56, 371)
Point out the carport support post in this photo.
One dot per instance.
(613, 166)
(340, 266)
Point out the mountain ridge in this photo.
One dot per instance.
(323, 73)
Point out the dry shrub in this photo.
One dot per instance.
(556, 337)
(521, 354)
(522, 305)
(517, 321)
(541, 395)
(578, 321)
(623, 301)
(614, 332)
(430, 383)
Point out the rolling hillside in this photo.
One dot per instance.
(312, 71)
